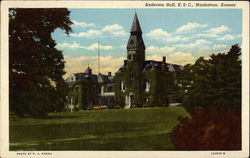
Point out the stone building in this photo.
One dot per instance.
(87, 89)
(140, 82)
(137, 83)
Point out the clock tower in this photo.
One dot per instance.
(135, 46)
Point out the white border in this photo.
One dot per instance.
(4, 136)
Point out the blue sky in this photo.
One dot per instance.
(182, 35)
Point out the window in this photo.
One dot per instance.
(122, 87)
(132, 81)
(133, 56)
(147, 86)
(129, 56)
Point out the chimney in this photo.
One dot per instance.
(125, 62)
(109, 73)
(164, 60)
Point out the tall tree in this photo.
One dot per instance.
(36, 67)
(214, 82)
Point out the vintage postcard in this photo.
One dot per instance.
(124, 79)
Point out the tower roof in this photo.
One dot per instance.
(136, 25)
(135, 41)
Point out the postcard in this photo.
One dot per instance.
(124, 79)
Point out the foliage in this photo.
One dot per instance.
(83, 92)
(215, 81)
(157, 79)
(36, 67)
(209, 128)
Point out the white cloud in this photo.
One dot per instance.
(79, 64)
(113, 30)
(181, 58)
(190, 27)
(218, 30)
(161, 35)
(219, 46)
(196, 44)
(228, 37)
(160, 50)
(175, 58)
(82, 24)
(89, 34)
(206, 35)
(94, 46)
(75, 45)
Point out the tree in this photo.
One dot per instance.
(36, 67)
(209, 128)
(215, 81)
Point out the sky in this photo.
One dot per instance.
(182, 35)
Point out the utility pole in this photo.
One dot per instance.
(98, 59)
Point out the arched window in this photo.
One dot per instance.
(129, 56)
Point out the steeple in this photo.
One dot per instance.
(135, 46)
(136, 25)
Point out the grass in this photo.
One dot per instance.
(118, 129)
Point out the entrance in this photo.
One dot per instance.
(129, 100)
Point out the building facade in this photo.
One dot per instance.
(137, 83)
(87, 89)
(140, 82)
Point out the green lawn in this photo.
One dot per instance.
(119, 129)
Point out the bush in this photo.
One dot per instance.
(209, 129)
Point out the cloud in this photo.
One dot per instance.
(113, 30)
(206, 35)
(94, 46)
(160, 50)
(219, 46)
(89, 34)
(175, 58)
(79, 64)
(189, 27)
(164, 36)
(218, 30)
(228, 37)
(196, 44)
(82, 24)
(181, 58)
(75, 45)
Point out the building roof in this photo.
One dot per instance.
(152, 65)
(91, 77)
(135, 25)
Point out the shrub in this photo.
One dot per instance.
(209, 129)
